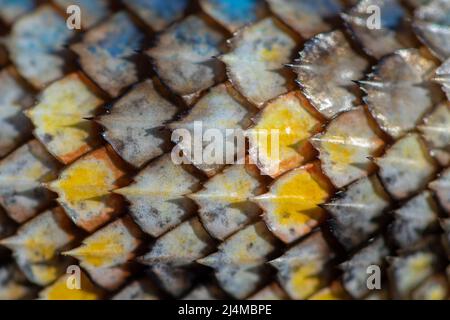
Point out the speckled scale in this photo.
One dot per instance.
(10, 10)
(393, 33)
(326, 71)
(105, 53)
(104, 253)
(35, 45)
(234, 14)
(432, 26)
(158, 14)
(134, 126)
(414, 220)
(181, 246)
(355, 270)
(158, 196)
(441, 186)
(239, 263)
(38, 243)
(442, 77)
(21, 176)
(307, 17)
(224, 202)
(357, 212)
(183, 57)
(406, 167)
(255, 62)
(92, 12)
(14, 98)
(399, 82)
(303, 269)
(436, 132)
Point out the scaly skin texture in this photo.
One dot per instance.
(362, 179)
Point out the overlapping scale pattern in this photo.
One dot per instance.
(361, 182)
